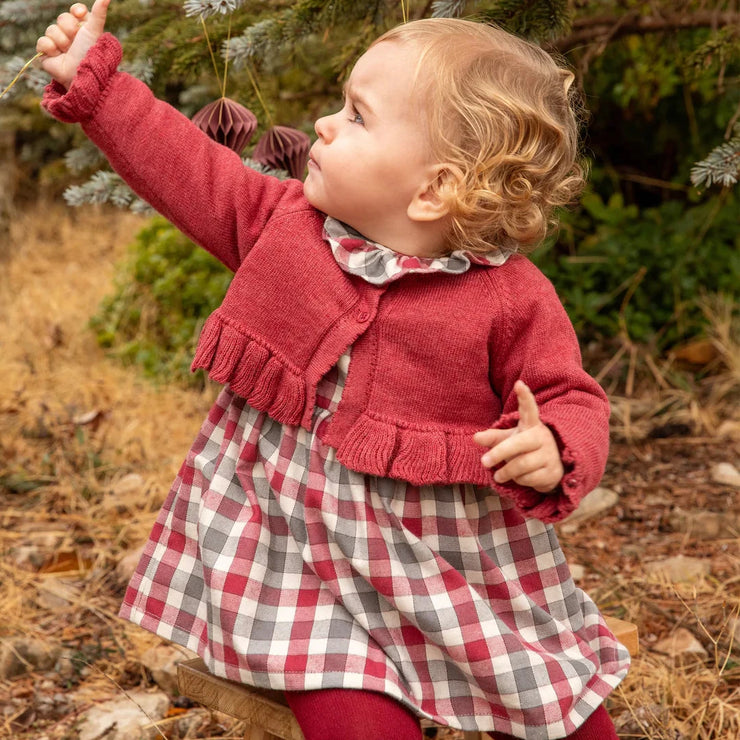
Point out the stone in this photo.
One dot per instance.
(726, 474)
(650, 720)
(130, 483)
(22, 655)
(66, 667)
(127, 565)
(679, 568)
(705, 525)
(161, 661)
(596, 502)
(28, 556)
(729, 429)
(55, 593)
(679, 643)
(125, 717)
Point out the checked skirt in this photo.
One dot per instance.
(283, 569)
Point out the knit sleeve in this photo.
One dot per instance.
(537, 344)
(202, 187)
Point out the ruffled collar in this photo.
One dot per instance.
(379, 265)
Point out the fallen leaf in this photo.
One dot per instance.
(699, 352)
(67, 561)
(87, 418)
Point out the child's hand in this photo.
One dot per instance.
(68, 40)
(530, 451)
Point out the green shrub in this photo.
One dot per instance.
(644, 272)
(163, 293)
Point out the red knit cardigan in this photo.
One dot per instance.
(434, 356)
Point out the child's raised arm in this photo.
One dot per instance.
(199, 185)
(67, 41)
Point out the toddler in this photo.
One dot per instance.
(365, 518)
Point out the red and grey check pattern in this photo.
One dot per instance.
(378, 264)
(284, 569)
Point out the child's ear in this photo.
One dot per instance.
(429, 204)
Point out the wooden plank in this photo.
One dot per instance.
(254, 733)
(626, 633)
(262, 709)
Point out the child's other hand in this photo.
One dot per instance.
(68, 40)
(529, 450)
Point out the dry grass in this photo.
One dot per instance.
(88, 450)
(686, 696)
(72, 420)
(649, 393)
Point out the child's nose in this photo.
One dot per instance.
(324, 128)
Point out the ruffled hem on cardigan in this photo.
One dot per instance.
(252, 370)
(419, 456)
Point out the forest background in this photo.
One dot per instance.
(647, 265)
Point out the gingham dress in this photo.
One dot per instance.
(283, 569)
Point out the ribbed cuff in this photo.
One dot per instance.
(89, 86)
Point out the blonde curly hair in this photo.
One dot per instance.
(503, 117)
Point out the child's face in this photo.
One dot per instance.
(372, 156)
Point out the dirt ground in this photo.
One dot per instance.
(89, 448)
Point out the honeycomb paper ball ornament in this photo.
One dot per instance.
(283, 148)
(227, 122)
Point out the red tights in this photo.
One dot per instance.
(348, 714)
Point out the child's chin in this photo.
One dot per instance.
(313, 197)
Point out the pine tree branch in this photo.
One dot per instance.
(721, 166)
(589, 30)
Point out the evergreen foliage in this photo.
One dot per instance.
(538, 20)
(721, 166)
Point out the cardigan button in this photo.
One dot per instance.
(571, 482)
(362, 316)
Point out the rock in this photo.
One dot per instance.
(680, 568)
(161, 661)
(66, 667)
(705, 525)
(680, 643)
(21, 655)
(127, 565)
(729, 428)
(125, 717)
(30, 556)
(131, 483)
(634, 550)
(726, 474)
(646, 721)
(55, 593)
(124, 493)
(594, 503)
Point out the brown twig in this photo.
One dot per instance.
(590, 30)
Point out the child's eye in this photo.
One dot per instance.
(356, 117)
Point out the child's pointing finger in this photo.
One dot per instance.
(95, 20)
(529, 415)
